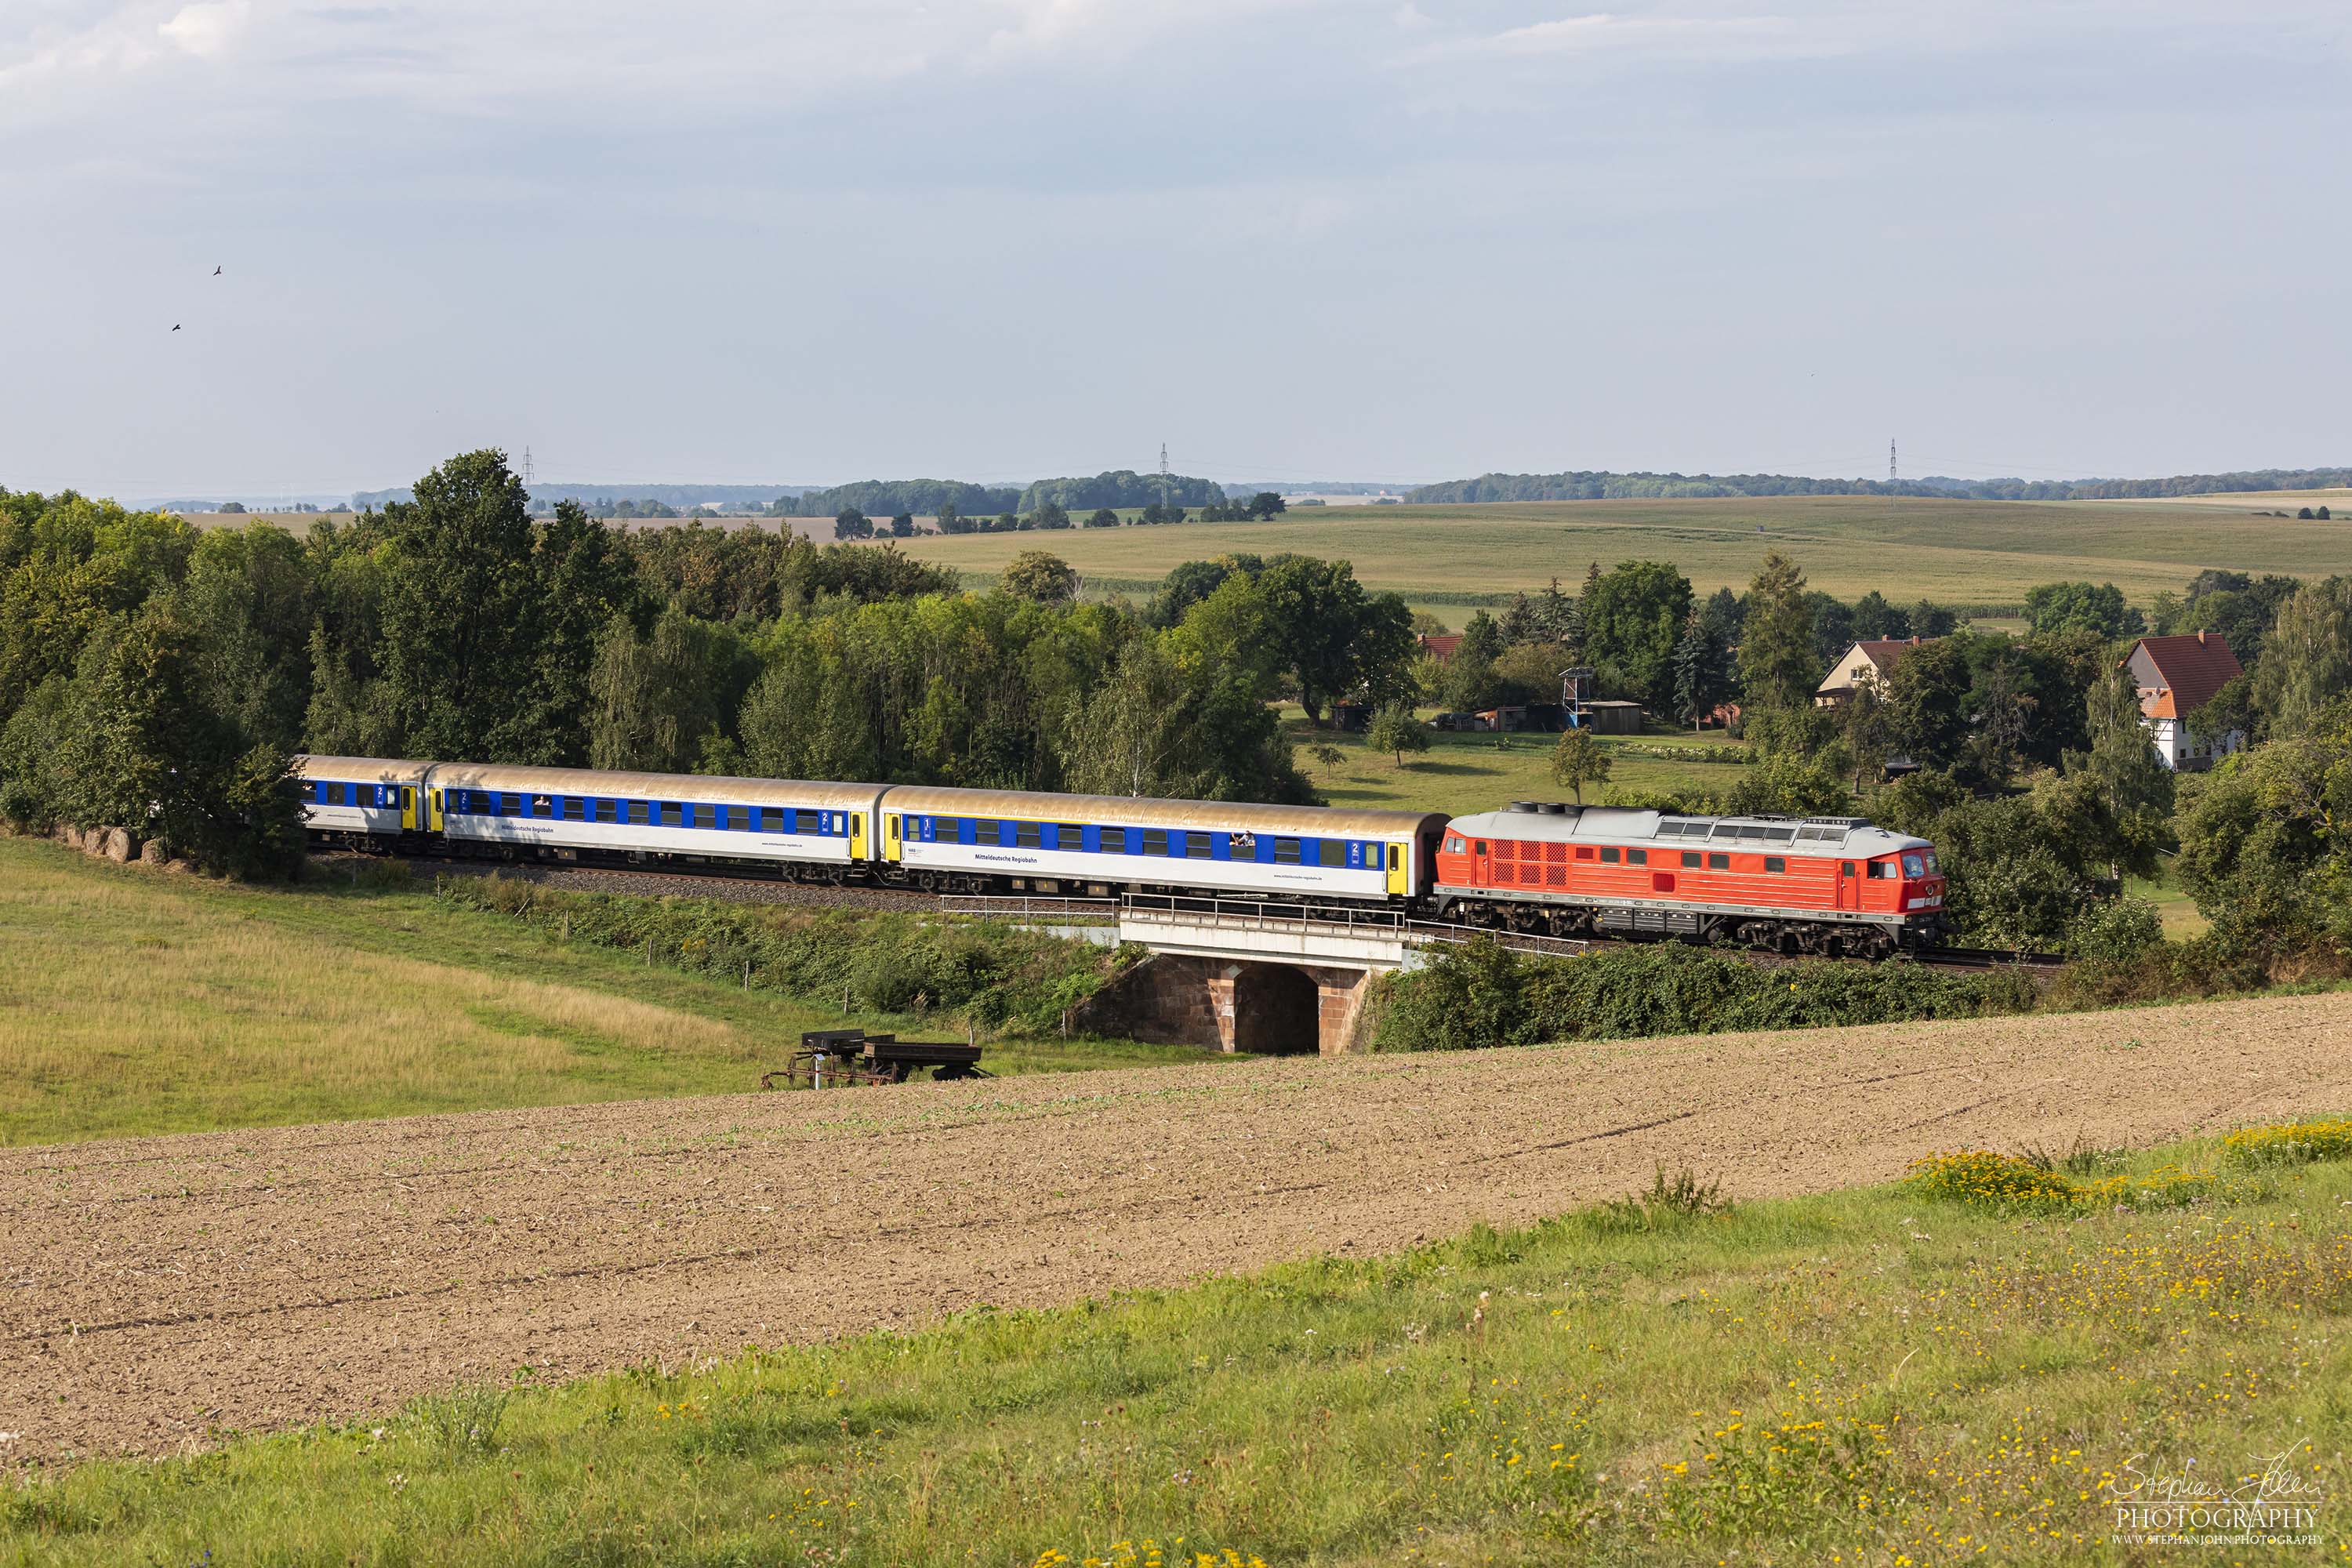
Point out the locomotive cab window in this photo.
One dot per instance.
(1913, 866)
(1455, 845)
(1882, 870)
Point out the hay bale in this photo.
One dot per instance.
(151, 852)
(119, 847)
(180, 868)
(93, 841)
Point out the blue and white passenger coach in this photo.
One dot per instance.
(357, 800)
(973, 840)
(823, 828)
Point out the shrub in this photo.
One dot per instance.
(1481, 993)
(2113, 932)
(2296, 1144)
(998, 975)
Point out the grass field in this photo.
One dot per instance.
(1464, 772)
(1961, 551)
(132, 1002)
(1882, 1376)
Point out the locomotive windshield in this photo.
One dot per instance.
(1913, 866)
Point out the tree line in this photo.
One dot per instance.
(158, 675)
(1594, 484)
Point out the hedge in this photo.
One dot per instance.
(1481, 993)
(1001, 977)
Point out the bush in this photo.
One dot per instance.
(2114, 931)
(998, 975)
(1481, 993)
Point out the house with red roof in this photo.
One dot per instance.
(1440, 646)
(2176, 677)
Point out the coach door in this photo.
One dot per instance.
(408, 808)
(1849, 885)
(890, 839)
(857, 836)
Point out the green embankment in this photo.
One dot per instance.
(132, 1002)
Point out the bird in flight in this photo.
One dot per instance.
(175, 326)
(216, 272)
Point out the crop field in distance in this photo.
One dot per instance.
(1963, 552)
(135, 1003)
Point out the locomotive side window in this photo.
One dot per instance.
(1716, 861)
(1690, 858)
(1881, 869)
(1584, 851)
(1609, 855)
(1776, 865)
(1637, 857)
(1455, 845)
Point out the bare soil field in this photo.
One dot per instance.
(155, 1292)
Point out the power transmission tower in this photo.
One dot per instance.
(526, 468)
(1163, 475)
(1890, 460)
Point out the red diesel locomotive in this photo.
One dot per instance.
(1835, 886)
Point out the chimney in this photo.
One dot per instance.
(2200, 639)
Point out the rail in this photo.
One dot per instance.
(1516, 940)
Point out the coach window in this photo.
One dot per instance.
(1690, 858)
(574, 809)
(608, 811)
(1029, 835)
(1155, 841)
(1199, 845)
(1717, 862)
(1069, 835)
(1776, 865)
(637, 812)
(1286, 851)
(1334, 852)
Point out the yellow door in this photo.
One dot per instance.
(890, 836)
(1396, 870)
(857, 836)
(439, 798)
(408, 808)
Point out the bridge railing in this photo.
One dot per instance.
(1259, 914)
(1029, 907)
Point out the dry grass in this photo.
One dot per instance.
(133, 1004)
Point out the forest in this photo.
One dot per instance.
(1600, 485)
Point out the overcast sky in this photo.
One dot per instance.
(816, 241)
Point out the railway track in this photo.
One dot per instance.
(1030, 908)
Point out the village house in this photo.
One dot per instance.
(2176, 677)
(1873, 660)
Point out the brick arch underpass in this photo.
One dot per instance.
(1269, 1008)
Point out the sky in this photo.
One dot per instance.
(810, 241)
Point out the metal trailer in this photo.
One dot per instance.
(829, 1057)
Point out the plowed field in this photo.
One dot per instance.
(155, 1289)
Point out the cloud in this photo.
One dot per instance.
(1686, 37)
(206, 28)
